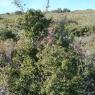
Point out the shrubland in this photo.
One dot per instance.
(43, 58)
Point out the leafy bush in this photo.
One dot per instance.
(7, 34)
(53, 69)
(8, 13)
(59, 10)
(18, 12)
(66, 10)
(35, 22)
(78, 30)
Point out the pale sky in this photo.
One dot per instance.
(8, 6)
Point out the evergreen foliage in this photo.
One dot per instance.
(50, 69)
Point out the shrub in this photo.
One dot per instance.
(1, 18)
(35, 23)
(18, 12)
(8, 13)
(7, 34)
(66, 10)
(59, 10)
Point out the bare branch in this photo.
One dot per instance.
(18, 4)
(47, 6)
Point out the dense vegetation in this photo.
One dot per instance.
(59, 10)
(39, 56)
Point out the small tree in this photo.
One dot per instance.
(35, 23)
(66, 10)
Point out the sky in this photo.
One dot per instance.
(8, 6)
